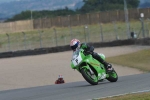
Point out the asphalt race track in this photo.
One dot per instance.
(80, 90)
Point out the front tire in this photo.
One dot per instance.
(88, 77)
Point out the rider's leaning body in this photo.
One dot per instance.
(75, 44)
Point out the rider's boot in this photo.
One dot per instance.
(107, 66)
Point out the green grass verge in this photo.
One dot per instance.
(140, 60)
(137, 96)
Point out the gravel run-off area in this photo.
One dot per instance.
(41, 70)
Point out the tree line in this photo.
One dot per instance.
(89, 6)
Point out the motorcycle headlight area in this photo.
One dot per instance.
(77, 59)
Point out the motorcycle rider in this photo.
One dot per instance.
(60, 80)
(75, 45)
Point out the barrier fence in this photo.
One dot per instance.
(61, 36)
(90, 28)
(73, 20)
(90, 18)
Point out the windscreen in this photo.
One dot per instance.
(76, 58)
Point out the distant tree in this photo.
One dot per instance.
(102, 5)
(42, 14)
(89, 6)
(22, 15)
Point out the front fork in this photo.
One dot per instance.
(87, 67)
(100, 75)
(92, 73)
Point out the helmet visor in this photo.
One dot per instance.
(75, 46)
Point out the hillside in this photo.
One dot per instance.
(8, 9)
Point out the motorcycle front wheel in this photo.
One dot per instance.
(91, 78)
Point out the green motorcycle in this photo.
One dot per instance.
(91, 69)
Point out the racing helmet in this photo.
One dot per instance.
(74, 44)
(60, 76)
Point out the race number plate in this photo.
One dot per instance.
(76, 60)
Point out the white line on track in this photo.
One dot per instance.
(121, 94)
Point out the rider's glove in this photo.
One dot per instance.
(87, 52)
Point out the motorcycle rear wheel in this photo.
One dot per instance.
(113, 77)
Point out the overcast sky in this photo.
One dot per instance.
(19, 0)
(5, 0)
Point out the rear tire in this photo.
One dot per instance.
(113, 77)
(87, 78)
